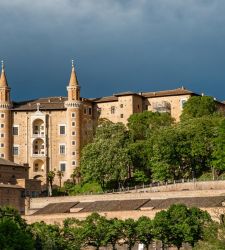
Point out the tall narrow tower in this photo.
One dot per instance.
(74, 118)
(5, 117)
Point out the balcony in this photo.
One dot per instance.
(38, 135)
(162, 107)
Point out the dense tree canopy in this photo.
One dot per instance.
(198, 106)
(106, 158)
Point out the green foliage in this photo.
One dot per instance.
(219, 152)
(47, 236)
(129, 232)
(175, 226)
(142, 125)
(198, 106)
(90, 187)
(94, 230)
(14, 233)
(106, 158)
(179, 224)
(144, 231)
(184, 150)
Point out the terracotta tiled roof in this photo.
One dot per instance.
(55, 208)
(5, 162)
(48, 103)
(201, 202)
(104, 99)
(178, 91)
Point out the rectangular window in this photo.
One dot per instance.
(113, 110)
(2, 155)
(73, 163)
(121, 115)
(62, 129)
(73, 124)
(62, 166)
(2, 145)
(121, 105)
(73, 132)
(73, 143)
(2, 135)
(73, 115)
(85, 110)
(15, 130)
(2, 115)
(15, 150)
(90, 111)
(2, 125)
(182, 102)
(73, 153)
(62, 149)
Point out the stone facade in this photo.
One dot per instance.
(48, 134)
(15, 185)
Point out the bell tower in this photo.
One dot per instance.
(5, 117)
(74, 108)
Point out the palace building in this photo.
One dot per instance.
(48, 133)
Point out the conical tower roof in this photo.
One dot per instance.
(3, 79)
(73, 78)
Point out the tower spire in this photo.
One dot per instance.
(73, 77)
(3, 79)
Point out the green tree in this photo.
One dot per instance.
(161, 228)
(179, 224)
(113, 232)
(73, 234)
(218, 160)
(106, 158)
(47, 236)
(141, 125)
(94, 229)
(129, 233)
(184, 150)
(198, 106)
(14, 233)
(14, 237)
(60, 175)
(145, 231)
(50, 178)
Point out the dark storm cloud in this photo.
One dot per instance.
(118, 45)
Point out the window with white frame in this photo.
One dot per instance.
(15, 150)
(62, 149)
(2, 115)
(73, 143)
(73, 132)
(2, 125)
(62, 129)
(15, 130)
(73, 153)
(2, 155)
(2, 145)
(73, 163)
(73, 115)
(73, 124)
(62, 166)
(2, 135)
